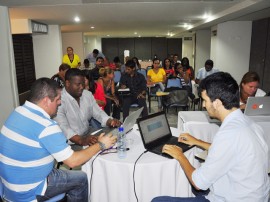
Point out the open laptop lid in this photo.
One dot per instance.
(258, 106)
(131, 120)
(154, 128)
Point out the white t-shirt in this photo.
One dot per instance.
(237, 163)
(202, 73)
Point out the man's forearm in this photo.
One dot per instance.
(187, 167)
(203, 145)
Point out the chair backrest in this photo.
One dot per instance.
(177, 97)
(143, 72)
(173, 82)
(117, 76)
(1, 189)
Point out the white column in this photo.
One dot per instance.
(8, 84)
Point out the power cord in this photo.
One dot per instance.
(134, 174)
(92, 168)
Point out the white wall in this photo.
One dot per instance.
(74, 40)
(188, 48)
(233, 48)
(48, 52)
(91, 43)
(202, 53)
(8, 85)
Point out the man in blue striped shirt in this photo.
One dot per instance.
(31, 140)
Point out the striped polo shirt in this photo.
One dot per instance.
(29, 142)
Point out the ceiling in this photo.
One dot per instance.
(136, 18)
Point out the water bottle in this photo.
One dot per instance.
(121, 143)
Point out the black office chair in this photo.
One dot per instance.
(178, 96)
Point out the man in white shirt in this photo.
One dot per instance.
(77, 108)
(93, 56)
(236, 167)
(205, 71)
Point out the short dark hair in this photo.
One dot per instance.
(64, 67)
(209, 62)
(99, 58)
(43, 87)
(130, 63)
(86, 61)
(95, 51)
(222, 86)
(73, 72)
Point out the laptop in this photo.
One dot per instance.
(155, 133)
(128, 124)
(258, 106)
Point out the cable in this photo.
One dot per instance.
(92, 169)
(134, 174)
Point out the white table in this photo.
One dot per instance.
(154, 176)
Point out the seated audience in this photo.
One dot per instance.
(77, 108)
(237, 163)
(174, 59)
(86, 64)
(205, 71)
(187, 68)
(184, 79)
(92, 57)
(107, 82)
(249, 87)
(73, 60)
(96, 89)
(138, 65)
(137, 86)
(60, 76)
(30, 143)
(95, 71)
(156, 76)
(169, 69)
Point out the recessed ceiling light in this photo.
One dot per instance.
(135, 33)
(108, 35)
(139, 35)
(77, 19)
(92, 27)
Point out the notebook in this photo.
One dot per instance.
(155, 133)
(128, 124)
(258, 106)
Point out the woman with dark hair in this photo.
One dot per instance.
(187, 68)
(73, 60)
(95, 88)
(249, 87)
(157, 77)
(169, 69)
(138, 65)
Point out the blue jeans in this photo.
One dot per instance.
(199, 197)
(73, 183)
(180, 199)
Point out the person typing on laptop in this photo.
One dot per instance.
(78, 106)
(249, 87)
(237, 163)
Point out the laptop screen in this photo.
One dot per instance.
(153, 127)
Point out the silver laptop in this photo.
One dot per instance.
(128, 124)
(155, 133)
(258, 106)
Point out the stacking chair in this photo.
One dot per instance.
(143, 72)
(117, 77)
(178, 97)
